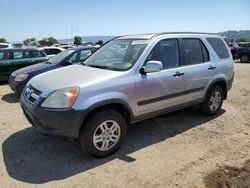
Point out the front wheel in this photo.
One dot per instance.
(103, 133)
(213, 102)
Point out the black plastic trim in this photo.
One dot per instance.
(157, 99)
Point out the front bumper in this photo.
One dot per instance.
(60, 122)
(17, 87)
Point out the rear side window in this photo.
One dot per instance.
(166, 51)
(18, 55)
(37, 53)
(219, 47)
(194, 51)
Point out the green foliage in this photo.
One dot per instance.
(48, 41)
(3, 40)
(242, 39)
(77, 40)
(18, 45)
(30, 42)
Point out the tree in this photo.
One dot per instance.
(242, 39)
(100, 42)
(48, 41)
(78, 40)
(30, 42)
(3, 40)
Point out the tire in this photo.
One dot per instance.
(213, 101)
(108, 141)
(244, 58)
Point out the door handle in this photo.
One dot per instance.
(177, 73)
(211, 67)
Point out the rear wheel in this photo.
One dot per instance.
(213, 102)
(244, 58)
(104, 132)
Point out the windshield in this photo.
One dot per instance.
(59, 57)
(118, 55)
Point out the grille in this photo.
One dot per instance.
(32, 94)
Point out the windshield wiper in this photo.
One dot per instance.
(99, 66)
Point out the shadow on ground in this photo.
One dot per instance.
(11, 98)
(34, 158)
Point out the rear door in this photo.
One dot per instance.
(19, 58)
(164, 89)
(4, 64)
(38, 56)
(199, 68)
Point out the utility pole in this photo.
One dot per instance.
(72, 30)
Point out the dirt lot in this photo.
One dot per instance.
(181, 149)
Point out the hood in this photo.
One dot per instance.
(74, 75)
(32, 68)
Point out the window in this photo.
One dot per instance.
(4, 55)
(73, 58)
(194, 51)
(166, 51)
(3, 46)
(117, 54)
(17, 55)
(219, 47)
(84, 54)
(52, 51)
(37, 53)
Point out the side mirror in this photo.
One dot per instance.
(68, 62)
(151, 66)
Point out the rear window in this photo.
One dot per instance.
(219, 47)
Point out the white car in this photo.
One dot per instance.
(51, 51)
(5, 45)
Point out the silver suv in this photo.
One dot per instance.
(129, 79)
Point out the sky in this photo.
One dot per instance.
(22, 19)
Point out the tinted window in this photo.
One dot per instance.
(219, 47)
(52, 51)
(84, 54)
(4, 55)
(194, 52)
(3, 46)
(166, 51)
(37, 53)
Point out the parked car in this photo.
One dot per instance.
(19, 78)
(15, 58)
(243, 52)
(51, 51)
(127, 80)
(5, 45)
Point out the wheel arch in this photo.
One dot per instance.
(116, 104)
(220, 82)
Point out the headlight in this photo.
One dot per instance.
(21, 77)
(63, 98)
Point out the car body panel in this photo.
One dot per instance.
(142, 94)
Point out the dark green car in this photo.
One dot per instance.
(14, 59)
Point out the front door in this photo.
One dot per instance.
(164, 89)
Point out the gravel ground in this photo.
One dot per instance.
(180, 149)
